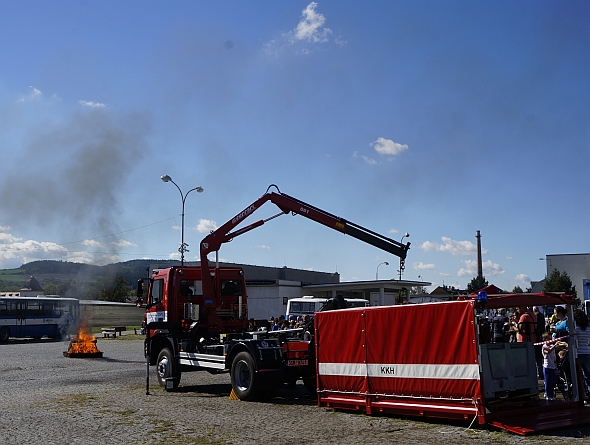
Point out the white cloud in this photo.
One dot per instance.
(91, 243)
(419, 265)
(79, 257)
(89, 103)
(508, 257)
(489, 269)
(206, 226)
(309, 31)
(368, 160)
(454, 247)
(310, 28)
(340, 42)
(393, 231)
(111, 258)
(14, 252)
(388, 147)
(262, 246)
(34, 93)
(7, 238)
(123, 243)
(522, 280)
(4, 228)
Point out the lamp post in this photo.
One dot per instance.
(402, 264)
(199, 189)
(377, 273)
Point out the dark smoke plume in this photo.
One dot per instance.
(72, 174)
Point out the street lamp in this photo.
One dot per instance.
(199, 189)
(377, 274)
(402, 264)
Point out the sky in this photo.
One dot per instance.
(433, 118)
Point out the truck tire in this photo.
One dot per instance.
(166, 368)
(244, 379)
(4, 334)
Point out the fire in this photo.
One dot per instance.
(83, 343)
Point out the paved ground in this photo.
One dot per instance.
(50, 399)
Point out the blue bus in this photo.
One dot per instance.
(38, 317)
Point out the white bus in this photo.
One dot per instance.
(308, 305)
(37, 316)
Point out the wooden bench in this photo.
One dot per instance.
(112, 332)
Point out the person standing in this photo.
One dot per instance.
(539, 333)
(549, 367)
(527, 325)
(561, 328)
(583, 342)
(500, 327)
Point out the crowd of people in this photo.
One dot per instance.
(281, 322)
(551, 337)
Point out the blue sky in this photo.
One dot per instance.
(433, 118)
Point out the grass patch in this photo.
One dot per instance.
(163, 426)
(180, 435)
(69, 402)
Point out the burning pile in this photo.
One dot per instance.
(83, 345)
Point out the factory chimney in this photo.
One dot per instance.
(479, 263)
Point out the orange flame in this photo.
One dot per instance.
(84, 342)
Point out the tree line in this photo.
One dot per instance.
(113, 282)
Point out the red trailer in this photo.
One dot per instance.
(435, 360)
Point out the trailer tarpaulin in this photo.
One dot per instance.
(425, 351)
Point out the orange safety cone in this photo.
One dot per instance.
(232, 395)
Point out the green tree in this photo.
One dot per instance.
(417, 290)
(517, 290)
(559, 282)
(113, 289)
(476, 284)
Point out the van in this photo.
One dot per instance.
(307, 305)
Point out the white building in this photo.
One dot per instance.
(577, 266)
(269, 288)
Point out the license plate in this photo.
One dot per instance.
(296, 362)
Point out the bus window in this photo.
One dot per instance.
(34, 308)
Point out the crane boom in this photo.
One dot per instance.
(288, 204)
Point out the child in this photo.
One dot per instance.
(549, 367)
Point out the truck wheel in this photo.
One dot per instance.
(244, 379)
(4, 334)
(166, 368)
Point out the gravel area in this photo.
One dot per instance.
(50, 399)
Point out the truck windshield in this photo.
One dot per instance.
(231, 287)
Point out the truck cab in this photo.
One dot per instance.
(175, 296)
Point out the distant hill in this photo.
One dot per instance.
(48, 272)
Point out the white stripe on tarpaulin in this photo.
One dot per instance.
(414, 371)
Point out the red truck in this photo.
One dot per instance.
(196, 317)
(426, 360)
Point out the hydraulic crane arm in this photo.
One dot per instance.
(288, 204)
